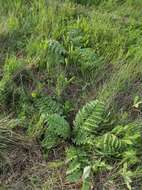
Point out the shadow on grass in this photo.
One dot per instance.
(12, 43)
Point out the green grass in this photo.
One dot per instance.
(56, 56)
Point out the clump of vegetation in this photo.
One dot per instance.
(98, 145)
(70, 94)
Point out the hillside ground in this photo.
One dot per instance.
(56, 56)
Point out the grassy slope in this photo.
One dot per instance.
(112, 30)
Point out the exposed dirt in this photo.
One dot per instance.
(14, 162)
